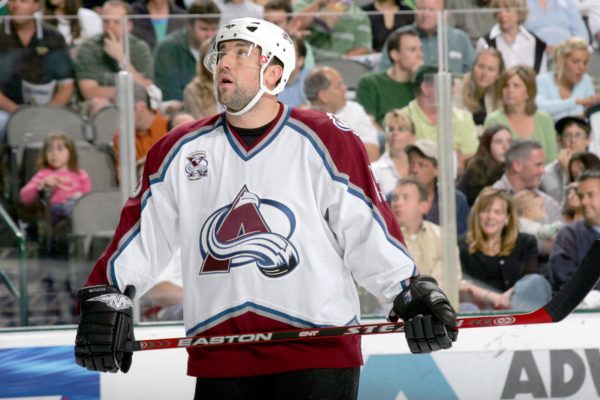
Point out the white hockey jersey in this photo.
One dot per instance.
(272, 237)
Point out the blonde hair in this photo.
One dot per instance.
(527, 75)
(523, 200)
(519, 5)
(564, 50)
(400, 117)
(475, 236)
(42, 161)
(471, 95)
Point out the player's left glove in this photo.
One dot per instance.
(429, 319)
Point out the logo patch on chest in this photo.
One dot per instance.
(196, 166)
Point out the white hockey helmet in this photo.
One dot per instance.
(273, 42)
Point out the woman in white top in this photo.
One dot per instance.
(393, 163)
(72, 20)
(517, 45)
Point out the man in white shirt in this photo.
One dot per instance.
(326, 91)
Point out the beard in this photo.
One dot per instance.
(235, 99)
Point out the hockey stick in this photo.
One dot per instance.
(562, 304)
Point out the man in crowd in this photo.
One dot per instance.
(101, 57)
(380, 92)
(326, 91)
(35, 67)
(176, 57)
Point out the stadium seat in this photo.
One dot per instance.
(350, 70)
(104, 123)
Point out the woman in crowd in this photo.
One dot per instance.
(520, 114)
(162, 20)
(580, 162)
(75, 22)
(386, 16)
(487, 165)
(199, 95)
(478, 91)
(568, 90)
(393, 163)
(554, 21)
(501, 262)
(517, 45)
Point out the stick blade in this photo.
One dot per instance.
(578, 286)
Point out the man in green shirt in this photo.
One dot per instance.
(380, 92)
(423, 113)
(101, 57)
(176, 57)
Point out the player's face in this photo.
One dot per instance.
(201, 31)
(500, 144)
(589, 195)
(494, 218)
(237, 73)
(422, 168)
(57, 154)
(486, 70)
(531, 169)
(406, 204)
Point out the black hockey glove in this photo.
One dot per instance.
(429, 319)
(104, 339)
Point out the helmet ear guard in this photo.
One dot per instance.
(272, 41)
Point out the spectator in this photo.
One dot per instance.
(150, 126)
(75, 22)
(157, 19)
(100, 57)
(35, 67)
(568, 90)
(470, 16)
(199, 95)
(380, 92)
(591, 10)
(176, 57)
(460, 49)
(423, 113)
(573, 241)
(337, 28)
(487, 165)
(293, 94)
(530, 210)
(393, 163)
(519, 112)
(58, 182)
(478, 91)
(423, 166)
(572, 210)
(517, 45)
(279, 12)
(386, 16)
(326, 91)
(179, 118)
(495, 255)
(423, 238)
(573, 137)
(554, 21)
(231, 9)
(523, 170)
(581, 162)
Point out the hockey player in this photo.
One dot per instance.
(276, 213)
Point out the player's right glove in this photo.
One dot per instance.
(429, 319)
(105, 338)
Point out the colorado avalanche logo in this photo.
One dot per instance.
(338, 122)
(197, 165)
(238, 235)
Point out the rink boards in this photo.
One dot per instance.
(536, 361)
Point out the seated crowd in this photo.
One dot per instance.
(525, 154)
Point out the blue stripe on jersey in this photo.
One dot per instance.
(247, 155)
(258, 309)
(120, 249)
(352, 189)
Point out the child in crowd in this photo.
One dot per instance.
(58, 178)
(530, 209)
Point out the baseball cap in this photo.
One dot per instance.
(422, 72)
(562, 123)
(425, 148)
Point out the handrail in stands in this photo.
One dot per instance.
(22, 294)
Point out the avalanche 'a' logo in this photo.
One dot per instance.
(240, 234)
